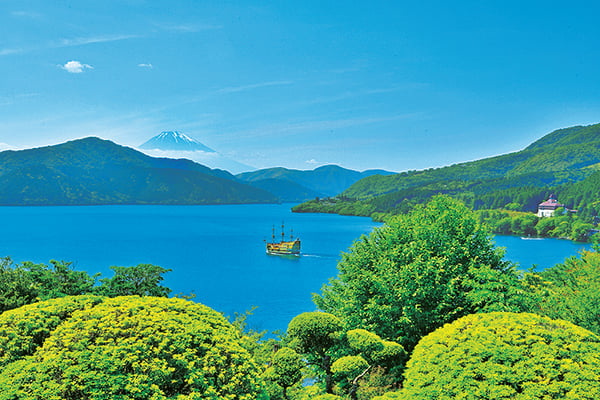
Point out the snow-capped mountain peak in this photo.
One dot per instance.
(173, 144)
(174, 140)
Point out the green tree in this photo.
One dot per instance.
(140, 280)
(28, 282)
(571, 291)
(285, 369)
(505, 356)
(16, 286)
(315, 335)
(580, 231)
(419, 272)
(59, 279)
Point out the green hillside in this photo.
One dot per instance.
(96, 171)
(519, 180)
(285, 190)
(328, 180)
(559, 157)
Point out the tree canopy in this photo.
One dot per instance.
(27, 282)
(420, 271)
(571, 291)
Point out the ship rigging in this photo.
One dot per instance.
(284, 247)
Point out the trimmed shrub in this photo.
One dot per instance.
(135, 348)
(505, 356)
(24, 330)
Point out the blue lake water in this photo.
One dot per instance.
(215, 252)
(536, 252)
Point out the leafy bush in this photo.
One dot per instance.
(24, 330)
(505, 356)
(129, 348)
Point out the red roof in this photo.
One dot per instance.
(550, 204)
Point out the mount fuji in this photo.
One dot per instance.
(174, 144)
(173, 140)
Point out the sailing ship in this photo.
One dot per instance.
(291, 247)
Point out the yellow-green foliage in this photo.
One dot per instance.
(25, 329)
(505, 356)
(128, 348)
(364, 341)
(388, 396)
(349, 366)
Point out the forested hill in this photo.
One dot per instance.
(96, 171)
(327, 180)
(561, 156)
(519, 180)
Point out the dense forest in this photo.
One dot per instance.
(423, 305)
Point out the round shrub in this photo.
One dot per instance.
(349, 367)
(505, 356)
(136, 348)
(24, 330)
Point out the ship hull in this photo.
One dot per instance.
(284, 248)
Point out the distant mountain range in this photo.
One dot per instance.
(97, 171)
(298, 185)
(559, 158)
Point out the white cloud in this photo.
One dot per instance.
(142, 65)
(75, 67)
(312, 161)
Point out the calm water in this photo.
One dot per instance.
(216, 252)
(538, 253)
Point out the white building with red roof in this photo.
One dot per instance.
(547, 208)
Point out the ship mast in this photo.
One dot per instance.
(282, 233)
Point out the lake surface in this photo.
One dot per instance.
(538, 253)
(215, 252)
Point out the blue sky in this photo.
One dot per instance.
(398, 85)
